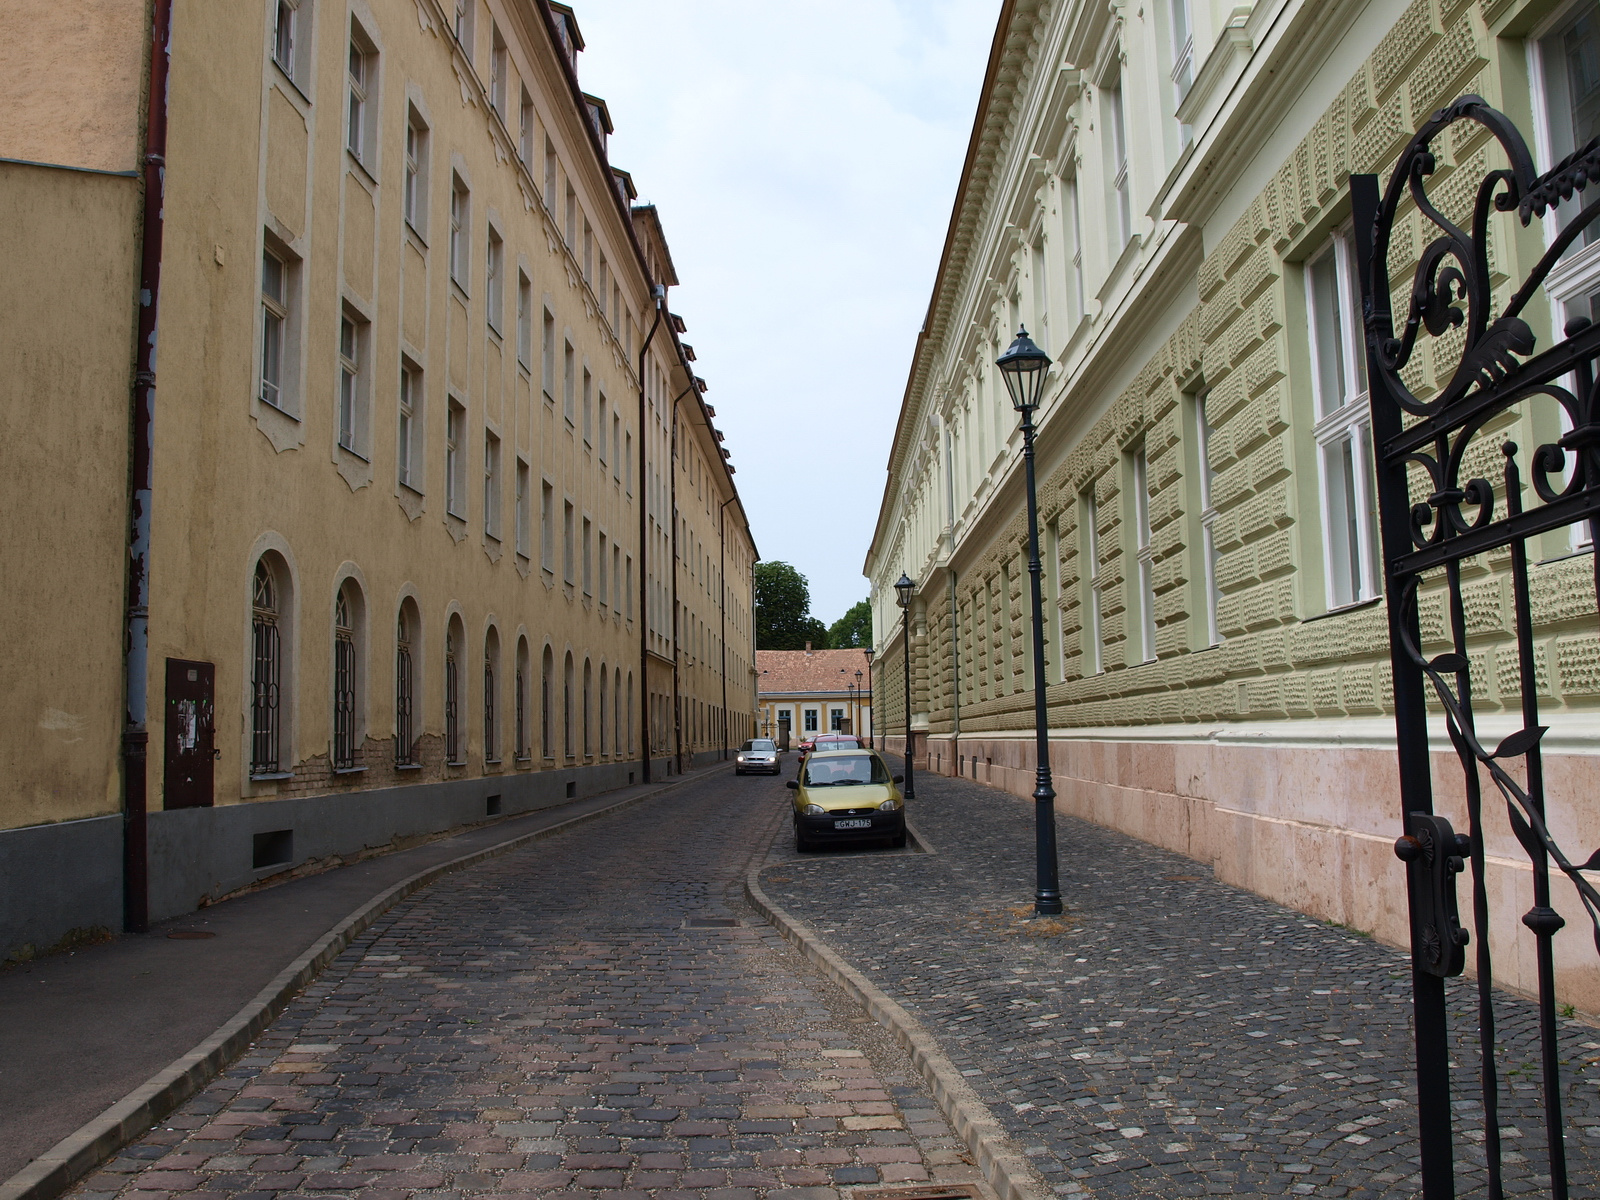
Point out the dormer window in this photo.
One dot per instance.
(567, 32)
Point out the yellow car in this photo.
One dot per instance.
(846, 795)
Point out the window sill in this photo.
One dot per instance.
(412, 488)
(408, 766)
(269, 776)
(461, 290)
(523, 760)
(455, 762)
(422, 238)
(354, 453)
(1342, 609)
(492, 762)
(290, 80)
(349, 770)
(277, 408)
(366, 172)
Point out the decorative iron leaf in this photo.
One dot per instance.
(1592, 865)
(1525, 835)
(1449, 664)
(1520, 742)
(1459, 741)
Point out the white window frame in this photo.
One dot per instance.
(414, 201)
(494, 279)
(1145, 555)
(527, 125)
(491, 484)
(276, 330)
(1117, 161)
(1180, 25)
(499, 69)
(361, 88)
(353, 339)
(291, 41)
(408, 434)
(1342, 421)
(460, 231)
(547, 527)
(524, 321)
(455, 432)
(547, 364)
(463, 23)
(524, 503)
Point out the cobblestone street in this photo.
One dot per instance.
(1173, 1036)
(597, 1014)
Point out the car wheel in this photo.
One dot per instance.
(898, 841)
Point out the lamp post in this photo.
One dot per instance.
(902, 592)
(855, 726)
(1023, 366)
(871, 739)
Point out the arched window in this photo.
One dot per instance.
(567, 742)
(547, 670)
(618, 746)
(405, 736)
(453, 748)
(588, 692)
(344, 680)
(266, 728)
(524, 751)
(633, 745)
(491, 696)
(600, 713)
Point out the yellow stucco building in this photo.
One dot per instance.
(434, 522)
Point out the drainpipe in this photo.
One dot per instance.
(136, 650)
(659, 295)
(722, 612)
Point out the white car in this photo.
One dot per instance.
(758, 755)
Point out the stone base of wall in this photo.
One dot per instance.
(62, 878)
(1310, 826)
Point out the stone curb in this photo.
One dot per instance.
(1003, 1168)
(75, 1155)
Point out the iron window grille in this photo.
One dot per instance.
(266, 671)
(344, 686)
(524, 752)
(547, 745)
(452, 704)
(403, 684)
(491, 746)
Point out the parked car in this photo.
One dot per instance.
(758, 755)
(845, 796)
(839, 741)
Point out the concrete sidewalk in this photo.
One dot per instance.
(80, 1031)
(1171, 1036)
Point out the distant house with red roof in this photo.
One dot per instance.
(805, 692)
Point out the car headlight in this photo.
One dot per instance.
(816, 810)
(889, 806)
(739, 758)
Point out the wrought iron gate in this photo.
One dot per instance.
(1437, 460)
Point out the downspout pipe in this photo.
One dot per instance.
(136, 646)
(659, 295)
(722, 611)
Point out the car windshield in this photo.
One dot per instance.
(839, 770)
(761, 744)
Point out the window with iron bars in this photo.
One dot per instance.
(402, 697)
(452, 704)
(524, 753)
(266, 671)
(491, 748)
(344, 686)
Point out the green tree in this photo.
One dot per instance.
(783, 610)
(854, 629)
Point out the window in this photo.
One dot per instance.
(360, 119)
(415, 201)
(409, 449)
(352, 383)
(1145, 555)
(588, 707)
(547, 532)
(601, 427)
(1569, 64)
(278, 278)
(569, 371)
(572, 218)
(548, 359)
(497, 71)
(266, 673)
(1072, 223)
(1117, 162)
(465, 11)
(460, 230)
(494, 288)
(1182, 31)
(527, 129)
(291, 39)
(566, 708)
(588, 407)
(616, 578)
(453, 747)
(491, 485)
(627, 445)
(587, 560)
(616, 446)
(600, 289)
(550, 173)
(546, 685)
(524, 502)
(491, 696)
(811, 720)
(835, 719)
(588, 253)
(455, 483)
(568, 535)
(1343, 434)
(1208, 518)
(404, 687)
(627, 588)
(1041, 297)
(523, 750)
(344, 679)
(1092, 582)
(524, 322)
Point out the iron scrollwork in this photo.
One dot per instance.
(1489, 372)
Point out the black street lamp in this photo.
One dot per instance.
(1024, 367)
(855, 725)
(902, 590)
(871, 733)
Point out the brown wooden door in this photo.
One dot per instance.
(190, 734)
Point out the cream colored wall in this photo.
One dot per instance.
(234, 477)
(71, 268)
(72, 82)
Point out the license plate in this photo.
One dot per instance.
(857, 823)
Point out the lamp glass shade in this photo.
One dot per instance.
(903, 590)
(1024, 367)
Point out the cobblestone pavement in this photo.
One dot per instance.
(554, 1022)
(1174, 1036)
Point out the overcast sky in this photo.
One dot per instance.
(804, 158)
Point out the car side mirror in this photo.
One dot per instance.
(899, 778)
(793, 785)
